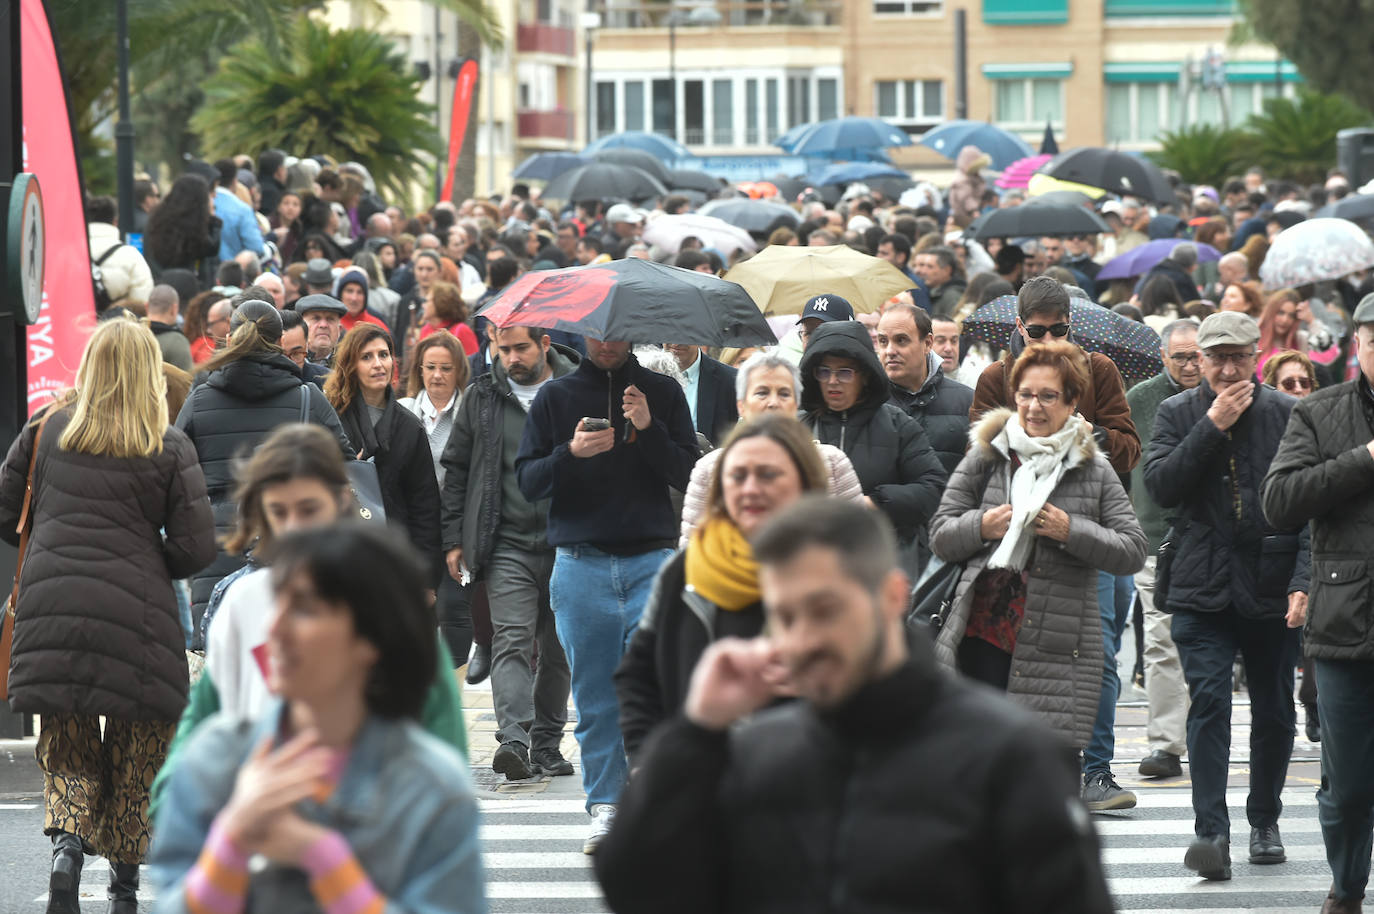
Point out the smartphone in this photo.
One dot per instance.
(595, 425)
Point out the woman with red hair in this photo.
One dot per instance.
(1278, 327)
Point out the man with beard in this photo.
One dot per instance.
(811, 805)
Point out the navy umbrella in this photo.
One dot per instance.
(666, 148)
(849, 172)
(1133, 346)
(834, 137)
(545, 166)
(1000, 145)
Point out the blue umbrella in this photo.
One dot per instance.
(1139, 260)
(849, 172)
(789, 139)
(1003, 147)
(545, 166)
(829, 138)
(665, 148)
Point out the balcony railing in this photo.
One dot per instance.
(643, 14)
(547, 39)
(544, 125)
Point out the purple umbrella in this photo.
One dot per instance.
(1140, 260)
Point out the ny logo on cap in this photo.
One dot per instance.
(820, 304)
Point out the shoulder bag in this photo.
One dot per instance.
(363, 481)
(24, 528)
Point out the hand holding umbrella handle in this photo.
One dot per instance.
(636, 407)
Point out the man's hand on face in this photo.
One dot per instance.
(1231, 404)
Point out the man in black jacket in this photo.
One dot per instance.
(811, 806)
(1233, 578)
(604, 444)
(1323, 474)
(918, 386)
(710, 392)
(491, 527)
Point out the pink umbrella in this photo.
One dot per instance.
(1018, 173)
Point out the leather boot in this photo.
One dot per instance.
(64, 885)
(123, 893)
(479, 667)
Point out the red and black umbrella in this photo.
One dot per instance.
(634, 301)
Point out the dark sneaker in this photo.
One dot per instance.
(1161, 764)
(1266, 846)
(1209, 857)
(513, 760)
(1101, 792)
(551, 761)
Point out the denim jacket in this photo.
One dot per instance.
(405, 804)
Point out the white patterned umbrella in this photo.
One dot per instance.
(1316, 250)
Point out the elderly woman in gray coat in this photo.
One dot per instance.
(1035, 511)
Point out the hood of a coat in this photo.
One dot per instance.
(983, 432)
(971, 159)
(851, 340)
(257, 376)
(351, 274)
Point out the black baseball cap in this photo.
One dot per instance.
(827, 308)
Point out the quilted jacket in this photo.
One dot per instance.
(1056, 667)
(1323, 475)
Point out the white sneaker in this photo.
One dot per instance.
(602, 816)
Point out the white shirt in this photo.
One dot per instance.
(693, 375)
(526, 393)
(240, 625)
(429, 415)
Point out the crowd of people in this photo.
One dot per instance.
(297, 455)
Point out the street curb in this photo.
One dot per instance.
(19, 771)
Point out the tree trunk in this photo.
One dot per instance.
(465, 174)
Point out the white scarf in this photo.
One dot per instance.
(1043, 462)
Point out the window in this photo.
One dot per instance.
(694, 112)
(798, 100)
(1030, 102)
(906, 7)
(911, 103)
(605, 108)
(665, 108)
(827, 99)
(753, 128)
(1139, 112)
(723, 112)
(634, 105)
(772, 91)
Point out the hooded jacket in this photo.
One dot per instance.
(966, 191)
(941, 407)
(228, 416)
(889, 449)
(356, 276)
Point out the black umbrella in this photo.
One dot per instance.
(1356, 208)
(1036, 220)
(691, 179)
(644, 161)
(1113, 171)
(695, 198)
(789, 186)
(1048, 147)
(758, 217)
(604, 181)
(1060, 198)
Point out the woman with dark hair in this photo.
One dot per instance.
(444, 309)
(1244, 297)
(250, 388)
(318, 224)
(335, 789)
(427, 268)
(286, 222)
(390, 436)
(183, 231)
(194, 326)
(1159, 302)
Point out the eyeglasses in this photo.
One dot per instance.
(1047, 398)
(1237, 359)
(1185, 358)
(841, 375)
(1037, 331)
(1291, 384)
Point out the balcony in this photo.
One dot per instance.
(555, 127)
(639, 14)
(538, 38)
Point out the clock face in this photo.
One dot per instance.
(31, 250)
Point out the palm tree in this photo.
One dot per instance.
(1296, 138)
(1204, 154)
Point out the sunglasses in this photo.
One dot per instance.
(842, 375)
(1037, 331)
(1291, 384)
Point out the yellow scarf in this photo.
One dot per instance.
(720, 565)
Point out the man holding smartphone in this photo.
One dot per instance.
(604, 444)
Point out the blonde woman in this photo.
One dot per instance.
(97, 632)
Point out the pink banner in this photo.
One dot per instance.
(57, 340)
(463, 89)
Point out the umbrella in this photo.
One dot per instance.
(1004, 148)
(1140, 260)
(755, 216)
(1047, 142)
(1041, 184)
(635, 301)
(545, 166)
(1040, 219)
(835, 137)
(849, 172)
(1356, 208)
(1060, 198)
(691, 179)
(604, 181)
(789, 186)
(1018, 173)
(638, 158)
(1113, 171)
(668, 231)
(666, 148)
(781, 278)
(1133, 346)
(790, 138)
(695, 198)
(1316, 250)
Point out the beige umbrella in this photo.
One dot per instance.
(780, 278)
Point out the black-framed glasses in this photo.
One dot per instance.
(1296, 383)
(1038, 331)
(1185, 358)
(1047, 398)
(842, 375)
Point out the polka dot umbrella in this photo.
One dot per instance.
(1133, 346)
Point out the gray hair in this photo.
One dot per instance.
(766, 360)
(661, 361)
(1184, 254)
(1182, 325)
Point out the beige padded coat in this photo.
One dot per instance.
(1056, 667)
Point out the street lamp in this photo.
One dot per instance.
(591, 21)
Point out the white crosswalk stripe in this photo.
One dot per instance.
(532, 851)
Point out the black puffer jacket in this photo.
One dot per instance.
(889, 449)
(1323, 475)
(97, 629)
(227, 417)
(941, 407)
(1208, 482)
(797, 811)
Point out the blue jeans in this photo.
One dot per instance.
(1207, 643)
(1114, 595)
(597, 599)
(1345, 801)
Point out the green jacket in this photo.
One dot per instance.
(1144, 400)
(442, 717)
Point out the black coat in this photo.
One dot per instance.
(918, 794)
(97, 629)
(1208, 482)
(226, 417)
(405, 468)
(941, 406)
(1323, 475)
(716, 409)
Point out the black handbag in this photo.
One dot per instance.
(363, 481)
(933, 597)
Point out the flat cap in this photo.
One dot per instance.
(318, 302)
(1228, 328)
(1364, 311)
